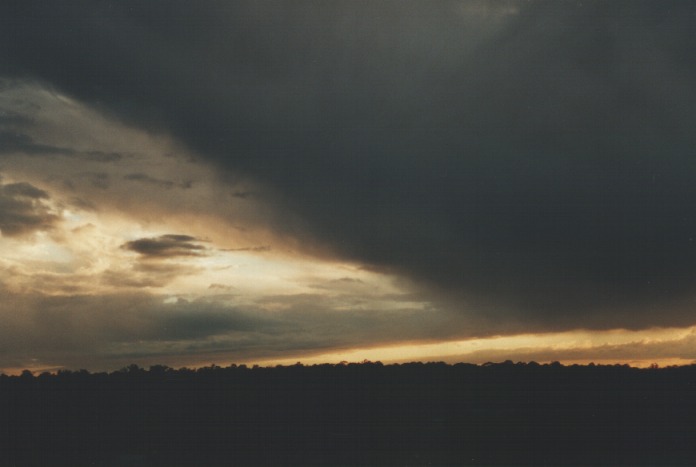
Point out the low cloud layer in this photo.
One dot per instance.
(102, 332)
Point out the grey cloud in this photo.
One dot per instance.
(24, 190)
(258, 249)
(140, 277)
(16, 142)
(10, 119)
(144, 178)
(83, 204)
(166, 246)
(100, 156)
(533, 157)
(23, 210)
(345, 284)
(84, 329)
(188, 321)
(100, 180)
(348, 281)
(353, 319)
(11, 141)
(106, 331)
(16, 137)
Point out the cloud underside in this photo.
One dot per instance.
(103, 332)
(23, 210)
(13, 142)
(532, 162)
(166, 246)
(96, 331)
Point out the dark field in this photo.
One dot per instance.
(355, 414)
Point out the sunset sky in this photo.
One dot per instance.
(188, 183)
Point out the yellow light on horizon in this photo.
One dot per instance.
(475, 350)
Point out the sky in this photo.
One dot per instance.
(187, 183)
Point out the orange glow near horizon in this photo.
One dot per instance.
(570, 347)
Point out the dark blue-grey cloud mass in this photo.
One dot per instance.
(166, 246)
(532, 157)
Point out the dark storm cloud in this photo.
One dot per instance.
(532, 157)
(23, 210)
(166, 246)
(243, 194)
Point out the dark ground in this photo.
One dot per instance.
(355, 414)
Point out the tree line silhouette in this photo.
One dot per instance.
(352, 414)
